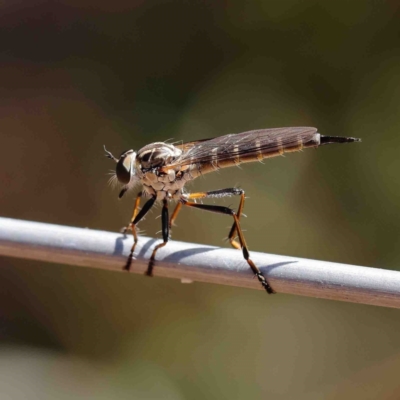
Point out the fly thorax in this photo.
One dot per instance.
(156, 155)
(158, 180)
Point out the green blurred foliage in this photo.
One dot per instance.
(79, 74)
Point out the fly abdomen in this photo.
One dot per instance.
(233, 153)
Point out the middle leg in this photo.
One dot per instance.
(165, 226)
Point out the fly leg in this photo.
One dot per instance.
(214, 193)
(165, 227)
(224, 193)
(134, 214)
(236, 228)
(136, 217)
(175, 214)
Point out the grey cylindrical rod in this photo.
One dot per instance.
(194, 262)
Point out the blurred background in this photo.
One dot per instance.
(79, 74)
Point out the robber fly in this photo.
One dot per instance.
(163, 169)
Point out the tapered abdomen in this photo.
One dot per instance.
(233, 154)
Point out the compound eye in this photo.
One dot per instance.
(124, 167)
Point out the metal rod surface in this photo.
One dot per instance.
(187, 261)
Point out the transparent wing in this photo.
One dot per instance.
(263, 141)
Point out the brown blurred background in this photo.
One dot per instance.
(79, 74)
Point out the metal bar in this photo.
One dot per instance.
(193, 262)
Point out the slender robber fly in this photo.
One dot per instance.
(163, 169)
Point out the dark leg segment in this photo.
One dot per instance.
(137, 216)
(236, 228)
(165, 234)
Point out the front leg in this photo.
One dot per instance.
(137, 216)
(134, 213)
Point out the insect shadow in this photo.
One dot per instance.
(119, 245)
